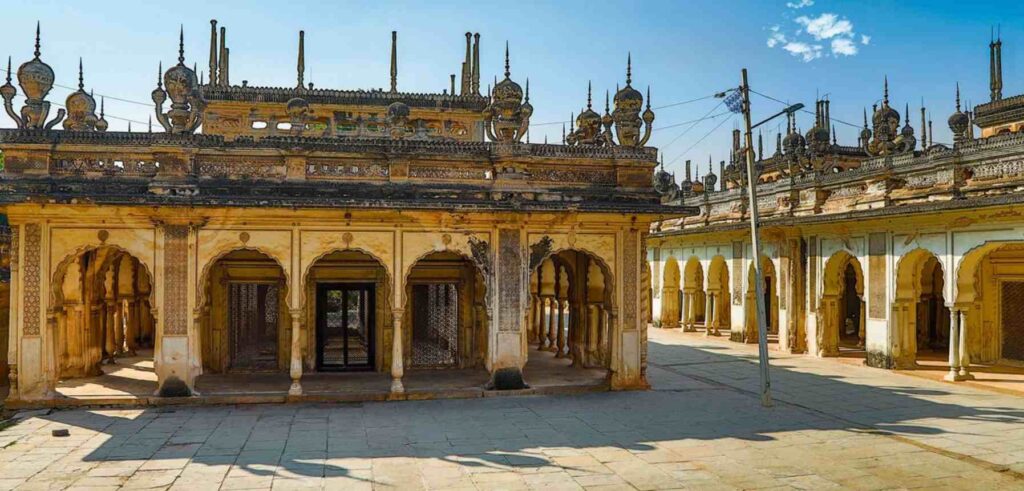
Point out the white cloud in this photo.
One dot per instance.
(805, 40)
(844, 47)
(776, 37)
(826, 26)
(807, 52)
(799, 5)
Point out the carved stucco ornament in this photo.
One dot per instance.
(540, 250)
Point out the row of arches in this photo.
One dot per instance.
(685, 300)
(104, 302)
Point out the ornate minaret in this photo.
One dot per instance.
(996, 68)
(467, 66)
(394, 62)
(301, 63)
(222, 70)
(924, 128)
(476, 64)
(213, 52)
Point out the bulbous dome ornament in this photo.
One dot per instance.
(187, 104)
(959, 121)
(36, 80)
(507, 117)
(665, 183)
(886, 138)
(627, 112)
(81, 107)
(588, 125)
(397, 120)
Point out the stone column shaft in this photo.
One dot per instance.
(397, 354)
(965, 355)
(954, 346)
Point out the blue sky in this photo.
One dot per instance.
(683, 50)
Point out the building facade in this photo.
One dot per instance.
(299, 230)
(897, 249)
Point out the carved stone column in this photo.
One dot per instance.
(862, 332)
(708, 313)
(131, 331)
(965, 355)
(552, 323)
(560, 333)
(108, 327)
(954, 346)
(118, 327)
(295, 364)
(397, 355)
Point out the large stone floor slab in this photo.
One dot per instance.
(834, 426)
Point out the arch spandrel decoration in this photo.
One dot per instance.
(600, 245)
(67, 243)
(317, 244)
(215, 243)
(417, 245)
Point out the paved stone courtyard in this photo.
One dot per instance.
(833, 426)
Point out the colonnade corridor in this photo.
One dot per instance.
(104, 326)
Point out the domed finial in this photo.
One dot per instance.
(588, 94)
(37, 53)
(507, 72)
(181, 45)
(81, 80)
(629, 68)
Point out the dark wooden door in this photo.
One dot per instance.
(344, 326)
(1012, 320)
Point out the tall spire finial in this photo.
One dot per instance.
(865, 118)
(527, 97)
(159, 75)
(394, 61)
(629, 68)
(648, 97)
(958, 97)
(8, 68)
(37, 52)
(588, 94)
(885, 94)
(563, 133)
(301, 63)
(81, 79)
(150, 123)
(607, 107)
(181, 44)
(906, 113)
(507, 72)
(103, 102)
(213, 52)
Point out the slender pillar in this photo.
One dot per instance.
(131, 325)
(534, 318)
(954, 346)
(108, 324)
(685, 315)
(295, 367)
(552, 323)
(397, 355)
(708, 311)
(965, 355)
(560, 337)
(119, 327)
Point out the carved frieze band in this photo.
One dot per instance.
(30, 291)
(511, 272)
(175, 310)
(341, 169)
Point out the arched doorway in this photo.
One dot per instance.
(445, 313)
(842, 315)
(245, 323)
(719, 299)
(694, 298)
(670, 306)
(347, 313)
(105, 330)
(920, 313)
(771, 302)
(572, 316)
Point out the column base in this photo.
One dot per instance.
(953, 376)
(295, 389)
(965, 375)
(507, 379)
(396, 386)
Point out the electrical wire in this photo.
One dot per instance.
(677, 157)
(111, 97)
(784, 103)
(692, 126)
(666, 106)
